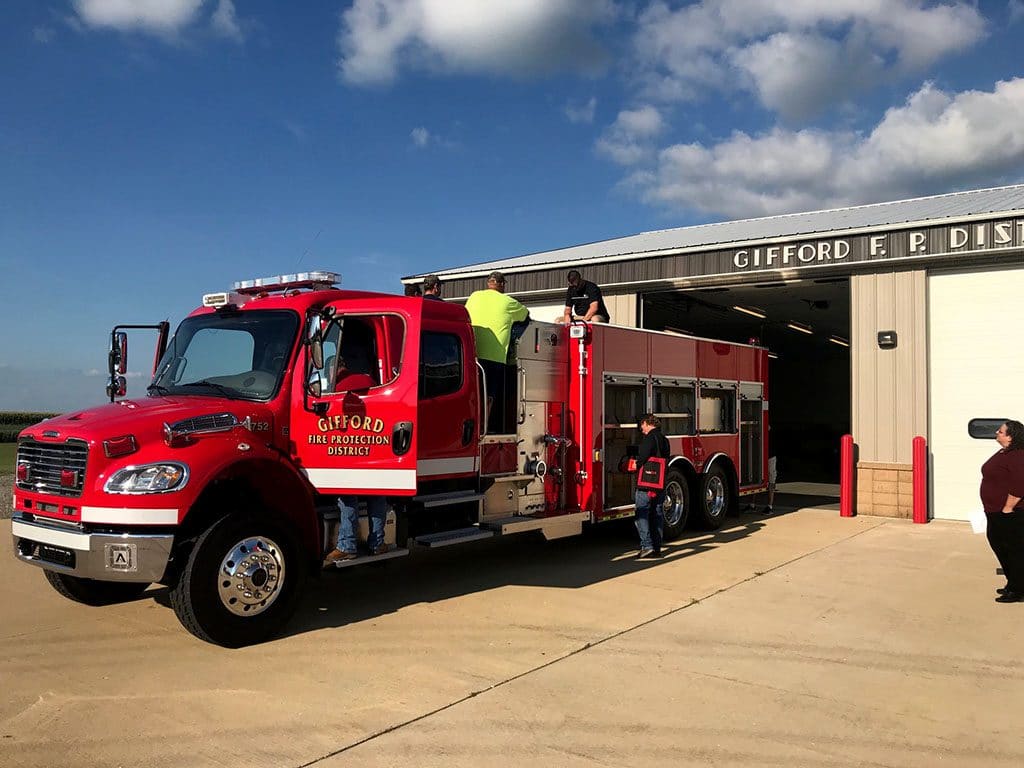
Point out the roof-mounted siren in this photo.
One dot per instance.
(312, 280)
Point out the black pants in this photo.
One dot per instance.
(1006, 537)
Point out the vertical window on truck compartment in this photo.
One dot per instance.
(674, 405)
(624, 404)
(717, 410)
(440, 364)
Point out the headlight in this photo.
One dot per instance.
(148, 478)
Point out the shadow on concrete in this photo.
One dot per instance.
(350, 595)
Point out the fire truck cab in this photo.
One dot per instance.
(274, 399)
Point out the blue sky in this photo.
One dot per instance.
(155, 150)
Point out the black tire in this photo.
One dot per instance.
(676, 508)
(240, 583)
(715, 499)
(93, 592)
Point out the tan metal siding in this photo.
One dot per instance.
(890, 386)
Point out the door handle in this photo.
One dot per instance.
(401, 438)
(468, 427)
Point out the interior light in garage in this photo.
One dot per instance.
(839, 340)
(773, 356)
(800, 327)
(751, 311)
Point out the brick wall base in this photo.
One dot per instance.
(884, 489)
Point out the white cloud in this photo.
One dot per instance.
(1016, 10)
(798, 56)
(161, 16)
(420, 136)
(225, 21)
(516, 37)
(43, 34)
(934, 142)
(581, 112)
(630, 139)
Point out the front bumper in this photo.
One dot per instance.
(134, 557)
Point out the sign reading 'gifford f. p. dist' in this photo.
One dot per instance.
(898, 244)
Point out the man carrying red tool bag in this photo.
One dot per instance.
(652, 464)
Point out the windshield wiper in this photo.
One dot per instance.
(226, 391)
(159, 389)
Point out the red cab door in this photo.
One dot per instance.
(359, 435)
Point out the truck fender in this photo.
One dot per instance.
(263, 484)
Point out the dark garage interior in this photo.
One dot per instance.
(806, 328)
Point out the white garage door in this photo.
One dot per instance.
(549, 313)
(976, 370)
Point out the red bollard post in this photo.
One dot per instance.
(920, 480)
(846, 476)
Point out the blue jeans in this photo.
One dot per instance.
(649, 519)
(348, 527)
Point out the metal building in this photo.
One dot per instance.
(886, 321)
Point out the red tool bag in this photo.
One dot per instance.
(652, 475)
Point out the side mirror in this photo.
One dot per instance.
(314, 384)
(117, 387)
(119, 353)
(315, 337)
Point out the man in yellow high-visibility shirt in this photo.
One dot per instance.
(493, 314)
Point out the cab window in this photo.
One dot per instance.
(362, 351)
(441, 367)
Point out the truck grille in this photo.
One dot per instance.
(48, 464)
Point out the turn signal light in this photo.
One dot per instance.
(120, 446)
(68, 478)
(22, 472)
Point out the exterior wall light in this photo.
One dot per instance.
(887, 339)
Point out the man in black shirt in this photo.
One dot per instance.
(649, 515)
(583, 301)
(432, 288)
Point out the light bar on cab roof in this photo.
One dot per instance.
(287, 282)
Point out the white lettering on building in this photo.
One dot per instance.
(1003, 234)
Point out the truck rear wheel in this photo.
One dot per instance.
(93, 592)
(676, 508)
(240, 582)
(714, 499)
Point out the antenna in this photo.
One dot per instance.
(305, 253)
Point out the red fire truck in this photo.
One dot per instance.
(222, 482)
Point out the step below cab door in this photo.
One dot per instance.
(354, 420)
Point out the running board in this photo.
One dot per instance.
(556, 527)
(364, 559)
(458, 536)
(447, 499)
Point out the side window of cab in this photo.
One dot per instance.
(441, 364)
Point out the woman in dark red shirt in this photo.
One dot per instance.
(1002, 486)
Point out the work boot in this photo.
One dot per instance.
(338, 555)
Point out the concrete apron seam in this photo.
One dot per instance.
(586, 646)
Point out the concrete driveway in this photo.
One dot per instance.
(800, 639)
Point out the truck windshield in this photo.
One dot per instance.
(240, 355)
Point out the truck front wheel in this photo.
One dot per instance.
(93, 592)
(240, 582)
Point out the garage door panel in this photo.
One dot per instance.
(976, 370)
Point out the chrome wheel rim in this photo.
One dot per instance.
(714, 496)
(674, 507)
(250, 576)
